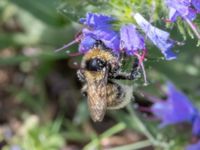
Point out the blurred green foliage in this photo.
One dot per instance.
(41, 81)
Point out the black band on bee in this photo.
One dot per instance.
(120, 92)
(99, 44)
(95, 64)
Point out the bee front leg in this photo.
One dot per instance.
(125, 76)
(84, 90)
(134, 74)
(80, 75)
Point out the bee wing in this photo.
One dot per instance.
(97, 99)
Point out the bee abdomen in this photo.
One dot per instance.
(118, 96)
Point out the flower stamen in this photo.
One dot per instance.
(140, 58)
(77, 40)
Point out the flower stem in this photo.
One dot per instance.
(133, 146)
(145, 131)
(192, 26)
(141, 125)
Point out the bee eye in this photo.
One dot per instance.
(95, 64)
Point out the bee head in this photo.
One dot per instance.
(95, 64)
(97, 59)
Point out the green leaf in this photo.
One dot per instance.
(44, 10)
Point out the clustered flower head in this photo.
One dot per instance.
(177, 108)
(99, 27)
(127, 39)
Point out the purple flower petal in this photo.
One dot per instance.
(193, 146)
(182, 8)
(159, 37)
(192, 14)
(183, 106)
(86, 44)
(109, 37)
(196, 125)
(177, 108)
(162, 110)
(96, 21)
(131, 40)
(99, 28)
(196, 4)
(173, 14)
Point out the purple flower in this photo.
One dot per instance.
(176, 109)
(182, 8)
(187, 9)
(96, 21)
(193, 146)
(159, 37)
(109, 37)
(99, 28)
(173, 14)
(130, 40)
(196, 125)
(196, 5)
(86, 43)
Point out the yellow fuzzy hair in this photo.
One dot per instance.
(98, 53)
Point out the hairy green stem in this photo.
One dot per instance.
(133, 146)
(145, 131)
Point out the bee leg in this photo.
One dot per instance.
(84, 90)
(80, 75)
(134, 74)
(135, 70)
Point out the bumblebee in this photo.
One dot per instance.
(100, 69)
